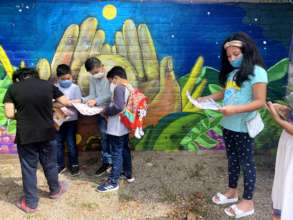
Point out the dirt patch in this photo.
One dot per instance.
(168, 186)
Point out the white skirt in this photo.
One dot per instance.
(282, 194)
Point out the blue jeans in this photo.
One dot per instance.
(121, 157)
(67, 133)
(29, 155)
(105, 146)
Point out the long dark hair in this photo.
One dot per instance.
(22, 73)
(251, 57)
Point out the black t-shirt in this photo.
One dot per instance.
(32, 98)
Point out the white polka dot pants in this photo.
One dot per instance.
(239, 149)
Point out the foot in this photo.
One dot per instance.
(21, 204)
(230, 194)
(245, 205)
(103, 169)
(129, 179)
(63, 189)
(74, 171)
(61, 170)
(107, 187)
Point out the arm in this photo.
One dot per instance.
(63, 100)
(92, 93)
(259, 100)
(9, 110)
(118, 102)
(284, 124)
(215, 96)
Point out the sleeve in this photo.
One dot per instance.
(77, 93)
(56, 92)
(105, 97)
(260, 76)
(118, 102)
(92, 93)
(8, 98)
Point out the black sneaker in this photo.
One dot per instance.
(130, 179)
(74, 171)
(103, 169)
(61, 170)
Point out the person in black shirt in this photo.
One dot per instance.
(29, 101)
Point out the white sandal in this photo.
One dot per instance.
(221, 199)
(237, 213)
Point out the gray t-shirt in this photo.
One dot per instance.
(115, 126)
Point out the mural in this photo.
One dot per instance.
(163, 50)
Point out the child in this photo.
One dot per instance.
(67, 131)
(244, 81)
(118, 134)
(100, 95)
(282, 194)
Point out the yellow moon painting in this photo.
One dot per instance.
(109, 12)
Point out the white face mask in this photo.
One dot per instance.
(112, 87)
(98, 75)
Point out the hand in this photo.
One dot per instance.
(273, 110)
(91, 102)
(228, 110)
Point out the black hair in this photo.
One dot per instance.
(63, 69)
(22, 73)
(251, 57)
(91, 63)
(117, 71)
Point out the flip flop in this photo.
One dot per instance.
(236, 212)
(222, 199)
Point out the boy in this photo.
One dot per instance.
(118, 134)
(67, 131)
(100, 95)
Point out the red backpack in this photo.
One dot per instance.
(135, 111)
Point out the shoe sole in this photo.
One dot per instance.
(101, 174)
(109, 190)
(75, 174)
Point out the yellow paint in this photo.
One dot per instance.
(189, 107)
(6, 62)
(109, 12)
(191, 80)
(232, 85)
(78, 138)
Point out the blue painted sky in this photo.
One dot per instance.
(184, 31)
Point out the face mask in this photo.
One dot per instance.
(65, 83)
(98, 75)
(112, 87)
(237, 62)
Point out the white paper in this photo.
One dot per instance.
(208, 104)
(84, 109)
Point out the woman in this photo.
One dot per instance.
(244, 80)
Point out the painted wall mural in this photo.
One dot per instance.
(166, 48)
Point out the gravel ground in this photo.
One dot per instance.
(175, 185)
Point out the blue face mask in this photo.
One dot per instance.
(65, 83)
(237, 62)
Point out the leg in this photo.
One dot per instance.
(127, 164)
(48, 162)
(233, 161)
(28, 155)
(70, 136)
(105, 146)
(60, 138)
(117, 144)
(247, 164)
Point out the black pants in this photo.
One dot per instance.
(239, 148)
(30, 155)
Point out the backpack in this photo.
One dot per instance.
(135, 111)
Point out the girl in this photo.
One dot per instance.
(244, 80)
(282, 194)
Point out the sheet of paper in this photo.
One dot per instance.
(84, 109)
(208, 104)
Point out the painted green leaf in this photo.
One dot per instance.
(206, 142)
(218, 130)
(215, 88)
(278, 70)
(11, 129)
(192, 147)
(186, 140)
(5, 83)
